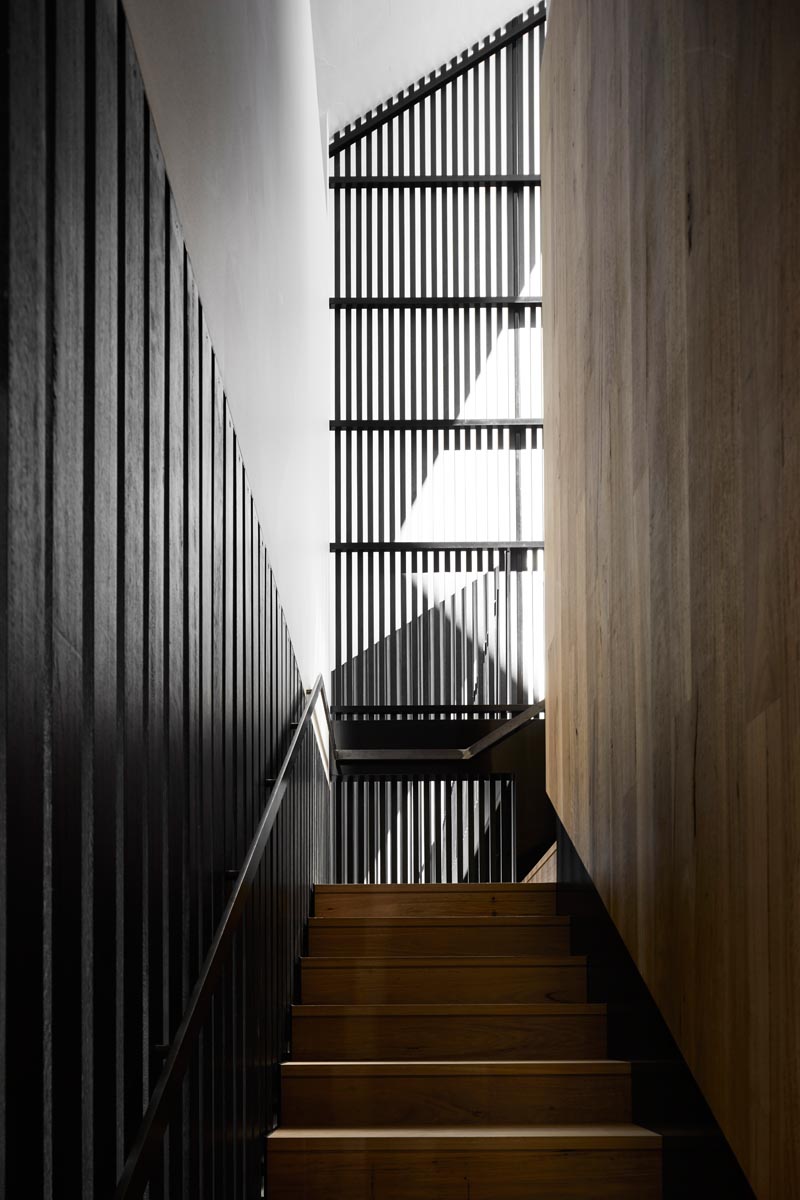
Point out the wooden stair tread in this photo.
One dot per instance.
(531, 1067)
(522, 1137)
(515, 920)
(366, 889)
(541, 1009)
(318, 962)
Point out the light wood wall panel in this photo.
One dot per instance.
(671, 226)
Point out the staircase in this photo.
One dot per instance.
(443, 1049)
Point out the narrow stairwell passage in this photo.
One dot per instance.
(443, 1048)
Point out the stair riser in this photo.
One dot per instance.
(371, 1038)
(462, 904)
(384, 941)
(410, 985)
(473, 1100)
(488, 1175)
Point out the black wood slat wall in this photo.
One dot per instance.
(148, 681)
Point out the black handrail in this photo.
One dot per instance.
(136, 1172)
(448, 754)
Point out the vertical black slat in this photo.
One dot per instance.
(104, 603)
(480, 840)
(27, 292)
(378, 850)
(344, 832)
(231, 822)
(458, 278)
(462, 810)
(367, 480)
(347, 594)
(273, 1006)
(337, 232)
(505, 814)
(191, 698)
(468, 867)
(61, 933)
(131, 606)
(464, 197)
(245, 717)
(266, 773)
(239, 1049)
(425, 593)
(258, 997)
(356, 833)
(87, 632)
(412, 788)
(217, 736)
(253, 791)
(380, 411)
(382, 873)
(259, 993)
(174, 673)
(338, 437)
(157, 792)
(401, 826)
(421, 197)
(517, 323)
(452, 791)
(402, 673)
(205, 735)
(61, 843)
(349, 412)
(436, 629)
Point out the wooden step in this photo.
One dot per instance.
(358, 937)
(588, 1162)
(434, 900)
(441, 980)
(370, 1032)
(330, 1095)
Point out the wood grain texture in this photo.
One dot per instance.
(671, 202)
(448, 1093)
(355, 937)
(517, 1167)
(441, 980)
(545, 870)
(432, 900)
(459, 1031)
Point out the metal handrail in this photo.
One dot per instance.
(427, 754)
(136, 1172)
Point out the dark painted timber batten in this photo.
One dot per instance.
(148, 678)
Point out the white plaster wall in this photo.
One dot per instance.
(367, 50)
(232, 87)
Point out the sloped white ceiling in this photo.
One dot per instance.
(367, 50)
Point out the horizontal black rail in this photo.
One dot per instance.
(392, 710)
(433, 181)
(403, 424)
(446, 754)
(139, 1163)
(427, 547)
(515, 29)
(383, 302)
